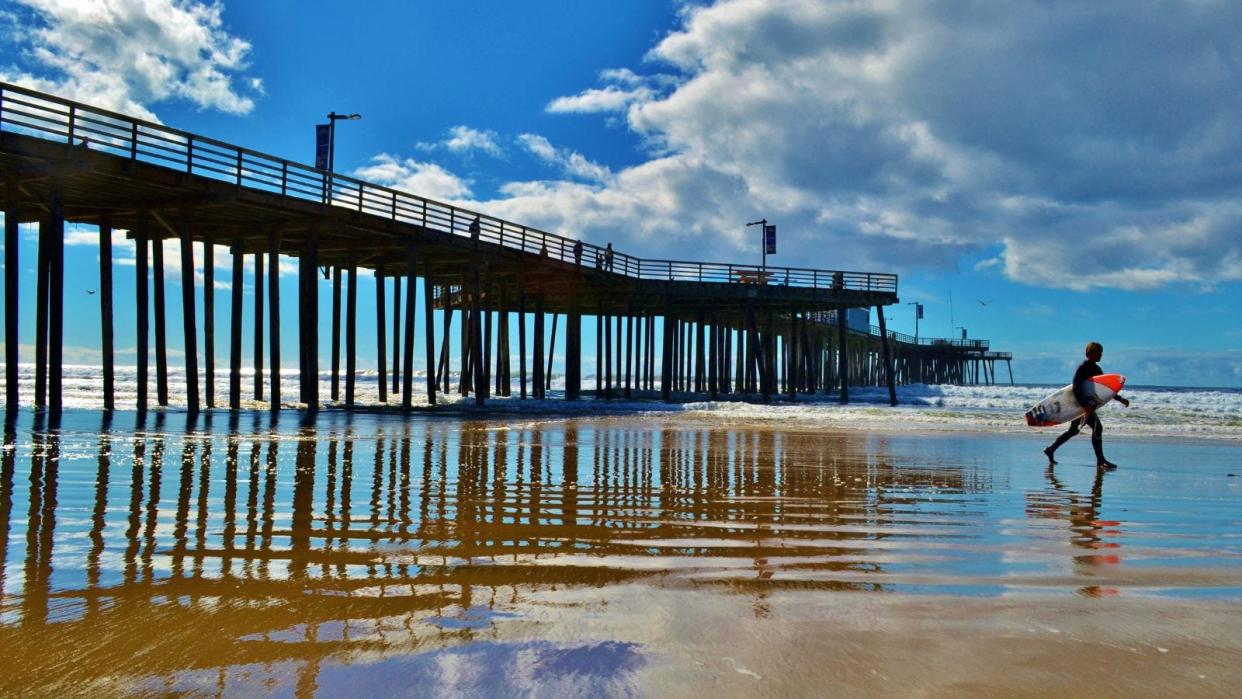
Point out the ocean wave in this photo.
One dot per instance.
(1155, 411)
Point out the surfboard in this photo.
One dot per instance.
(1061, 406)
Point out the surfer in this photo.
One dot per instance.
(1089, 368)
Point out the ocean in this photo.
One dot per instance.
(1156, 411)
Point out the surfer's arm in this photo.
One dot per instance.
(1123, 401)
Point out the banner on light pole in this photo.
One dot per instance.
(769, 239)
(323, 143)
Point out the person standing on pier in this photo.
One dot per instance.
(1089, 368)
(578, 253)
(474, 229)
(608, 257)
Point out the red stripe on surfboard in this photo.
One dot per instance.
(1113, 381)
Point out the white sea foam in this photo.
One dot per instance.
(1155, 411)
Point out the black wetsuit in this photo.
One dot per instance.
(1082, 377)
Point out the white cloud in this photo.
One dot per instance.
(902, 135)
(127, 55)
(572, 163)
(464, 140)
(409, 175)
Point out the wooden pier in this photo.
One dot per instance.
(664, 328)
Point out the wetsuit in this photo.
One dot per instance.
(1082, 377)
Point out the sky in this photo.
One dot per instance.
(1041, 174)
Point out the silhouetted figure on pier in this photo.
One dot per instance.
(578, 253)
(608, 257)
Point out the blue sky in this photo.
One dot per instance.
(1077, 166)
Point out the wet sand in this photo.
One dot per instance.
(666, 555)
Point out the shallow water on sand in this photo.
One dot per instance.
(610, 555)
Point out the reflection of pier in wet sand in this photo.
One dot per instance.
(302, 547)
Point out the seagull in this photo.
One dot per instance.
(982, 302)
(91, 291)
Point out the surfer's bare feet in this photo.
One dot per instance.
(1106, 465)
(1048, 452)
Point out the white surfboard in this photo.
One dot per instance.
(1061, 406)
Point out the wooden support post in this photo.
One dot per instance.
(485, 364)
(209, 323)
(396, 325)
(105, 312)
(608, 357)
(599, 352)
(188, 312)
(666, 364)
(888, 362)
(235, 326)
(629, 352)
(381, 341)
(713, 360)
(429, 328)
(842, 354)
(522, 343)
(537, 360)
(141, 310)
(467, 339)
(476, 326)
(755, 347)
(700, 353)
(56, 289)
(310, 305)
(573, 353)
(336, 332)
(43, 268)
(258, 326)
(442, 370)
(273, 302)
(11, 276)
(351, 333)
(407, 372)
(161, 334)
(547, 375)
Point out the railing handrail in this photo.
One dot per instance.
(166, 146)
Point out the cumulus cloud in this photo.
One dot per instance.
(570, 162)
(465, 140)
(127, 55)
(1093, 144)
(424, 179)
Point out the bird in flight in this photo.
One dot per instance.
(983, 303)
(91, 291)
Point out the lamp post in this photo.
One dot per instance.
(763, 242)
(918, 314)
(333, 117)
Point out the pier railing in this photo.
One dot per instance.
(37, 114)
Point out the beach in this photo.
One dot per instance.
(615, 554)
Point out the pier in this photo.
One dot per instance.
(665, 329)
